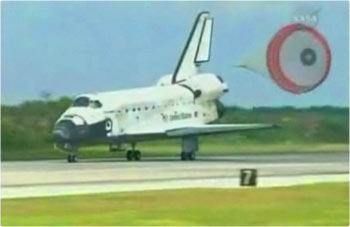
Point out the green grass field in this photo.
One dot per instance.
(318, 204)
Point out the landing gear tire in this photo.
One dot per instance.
(72, 151)
(129, 155)
(133, 155)
(185, 156)
(137, 155)
(192, 156)
(71, 158)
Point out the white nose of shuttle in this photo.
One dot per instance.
(78, 124)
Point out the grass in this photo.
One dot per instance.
(173, 148)
(317, 204)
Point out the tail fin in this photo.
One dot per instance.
(197, 49)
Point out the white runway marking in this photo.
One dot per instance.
(49, 178)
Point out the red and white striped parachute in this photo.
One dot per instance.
(298, 58)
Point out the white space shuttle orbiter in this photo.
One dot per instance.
(181, 105)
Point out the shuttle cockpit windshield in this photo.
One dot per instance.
(87, 102)
(95, 104)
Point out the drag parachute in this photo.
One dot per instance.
(298, 58)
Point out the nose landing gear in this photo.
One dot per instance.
(72, 152)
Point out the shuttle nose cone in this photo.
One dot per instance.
(64, 131)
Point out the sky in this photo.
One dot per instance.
(69, 48)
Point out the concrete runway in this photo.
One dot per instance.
(56, 177)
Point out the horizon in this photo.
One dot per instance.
(57, 99)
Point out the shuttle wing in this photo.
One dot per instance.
(188, 131)
(215, 129)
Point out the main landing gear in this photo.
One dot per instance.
(188, 156)
(71, 158)
(189, 148)
(133, 154)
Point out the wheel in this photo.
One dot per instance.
(129, 155)
(137, 155)
(191, 156)
(69, 158)
(73, 158)
(183, 156)
(188, 156)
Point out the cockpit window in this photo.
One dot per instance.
(95, 104)
(81, 102)
(220, 78)
(86, 102)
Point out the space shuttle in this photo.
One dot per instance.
(183, 104)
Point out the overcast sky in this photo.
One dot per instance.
(69, 48)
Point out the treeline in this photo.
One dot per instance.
(324, 124)
(29, 125)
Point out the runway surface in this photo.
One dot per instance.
(57, 177)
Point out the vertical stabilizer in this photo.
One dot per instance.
(197, 49)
